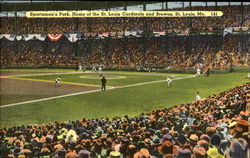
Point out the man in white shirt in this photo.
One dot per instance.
(198, 97)
(169, 81)
(94, 69)
(198, 73)
(80, 67)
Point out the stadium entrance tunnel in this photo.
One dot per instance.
(99, 76)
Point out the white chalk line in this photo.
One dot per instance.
(85, 92)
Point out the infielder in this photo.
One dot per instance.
(57, 82)
(169, 81)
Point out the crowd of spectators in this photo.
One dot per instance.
(174, 52)
(178, 52)
(214, 127)
(29, 26)
(232, 16)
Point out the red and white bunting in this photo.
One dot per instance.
(245, 28)
(103, 34)
(139, 31)
(186, 31)
(177, 30)
(159, 32)
(112, 34)
(55, 37)
(120, 33)
(170, 30)
(93, 34)
(210, 28)
(86, 34)
(237, 28)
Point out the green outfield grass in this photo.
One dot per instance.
(117, 102)
(94, 78)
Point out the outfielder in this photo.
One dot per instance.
(198, 74)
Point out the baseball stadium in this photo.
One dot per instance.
(125, 87)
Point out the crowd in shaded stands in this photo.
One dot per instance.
(215, 127)
(173, 52)
(232, 16)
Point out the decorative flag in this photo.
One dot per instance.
(177, 30)
(139, 31)
(244, 28)
(210, 29)
(170, 30)
(28, 37)
(120, 33)
(40, 37)
(186, 31)
(237, 28)
(10, 37)
(227, 30)
(103, 34)
(86, 34)
(112, 34)
(73, 37)
(133, 33)
(55, 37)
(93, 34)
(19, 37)
(159, 33)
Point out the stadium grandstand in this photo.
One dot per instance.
(127, 42)
(216, 126)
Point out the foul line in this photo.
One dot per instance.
(73, 94)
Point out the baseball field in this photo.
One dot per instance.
(30, 96)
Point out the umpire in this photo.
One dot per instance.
(104, 81)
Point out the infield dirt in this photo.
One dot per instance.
(17, 90)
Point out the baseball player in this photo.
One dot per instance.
(198, 74)
(169, 81)
(198, 97)
(57, 82)
(103, 81)
(80, 67)
(94, 69)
